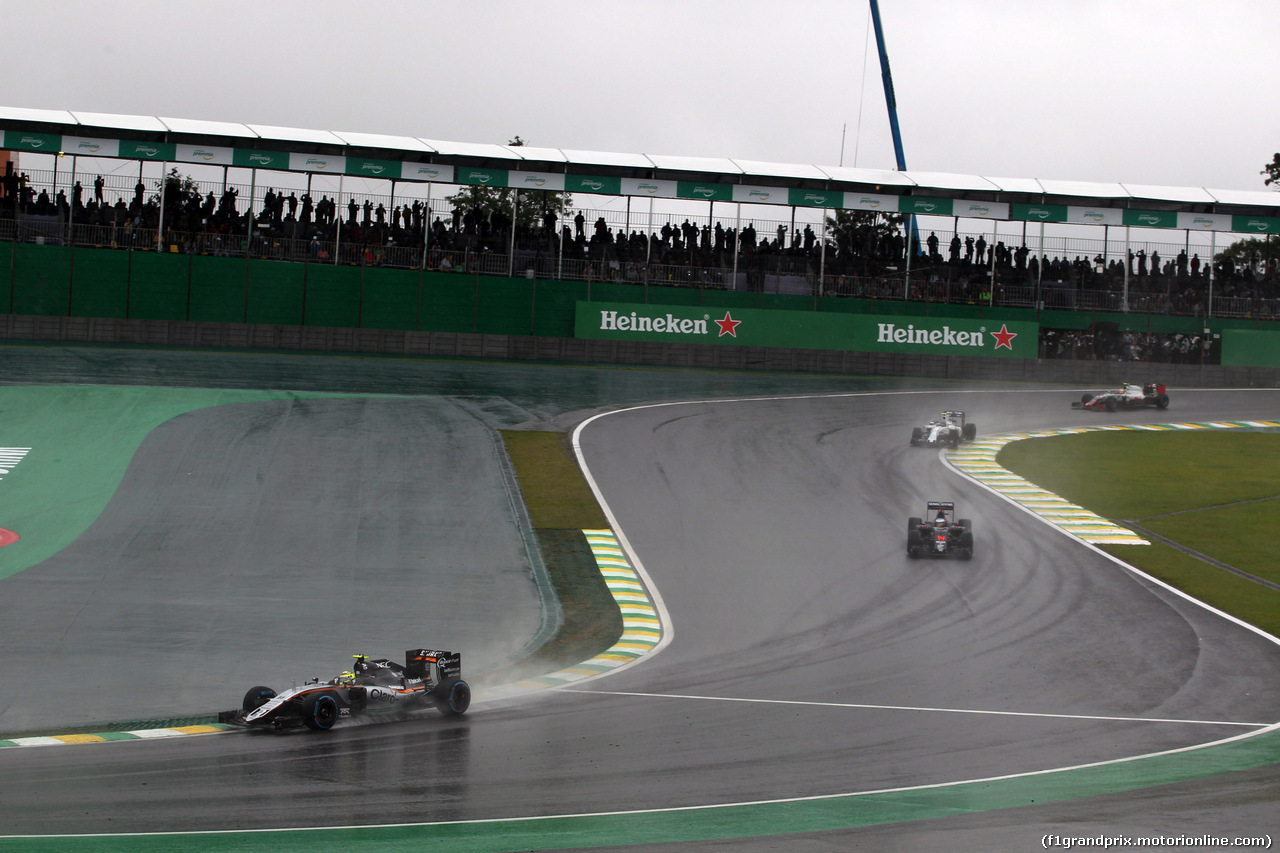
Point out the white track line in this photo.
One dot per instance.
(926, 709)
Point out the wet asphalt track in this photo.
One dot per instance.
(773, 531)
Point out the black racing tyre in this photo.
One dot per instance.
(453, 698)
(966, 545)
(1085, 398)
(917, 436)
(1111, 405)
(256, 698)
(914, 541)
(320, 711)
(970, 432)
(1162, 401)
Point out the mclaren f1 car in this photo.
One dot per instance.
(428, 679)
(940, 535)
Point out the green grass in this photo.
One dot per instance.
(554, 489)
(561, 505)
(1137, 475)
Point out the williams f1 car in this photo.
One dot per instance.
(940, 536)
(1127, 396)
(428, 679)
(948, 431)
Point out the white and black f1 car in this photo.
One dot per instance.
(939, 536)
(428, 679)
(948, 431)
(1127, 396)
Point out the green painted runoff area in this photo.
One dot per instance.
(708, 823)
(81, 438)
(1210, 491)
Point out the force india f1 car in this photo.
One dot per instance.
(428, 679)
(940, 536)
(949, 431)
(1127, 396)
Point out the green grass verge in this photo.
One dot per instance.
(1138, 475)
(561, 505)
(554, 489)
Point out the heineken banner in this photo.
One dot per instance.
(756, 327)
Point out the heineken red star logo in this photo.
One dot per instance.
(728, 326)
(1004, 337)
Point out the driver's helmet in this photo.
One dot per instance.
(940, 522)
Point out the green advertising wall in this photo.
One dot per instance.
(120, 284)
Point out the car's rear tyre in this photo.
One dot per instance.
(1162, 401)
(917, 436)
(320, 711)
(1085, 398)
(453, 698)
(970, 432)
(966, 524)
(256, 698)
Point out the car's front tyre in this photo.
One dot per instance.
(256, 698)
(320, 711)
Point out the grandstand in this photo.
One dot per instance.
(721, 224)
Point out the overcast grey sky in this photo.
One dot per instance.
(1181, 92)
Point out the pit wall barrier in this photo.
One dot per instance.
(287, 338)
(55, 293)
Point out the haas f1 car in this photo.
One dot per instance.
(1128, 396)
(428, 679)
(948, 431)
(940, 536)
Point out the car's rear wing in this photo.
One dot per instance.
(947, 506)
(417, 663)
(959, 415)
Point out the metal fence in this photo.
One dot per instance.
(780, 274)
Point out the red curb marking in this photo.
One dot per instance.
(7, 537)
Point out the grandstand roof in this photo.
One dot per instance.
(653, 167)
